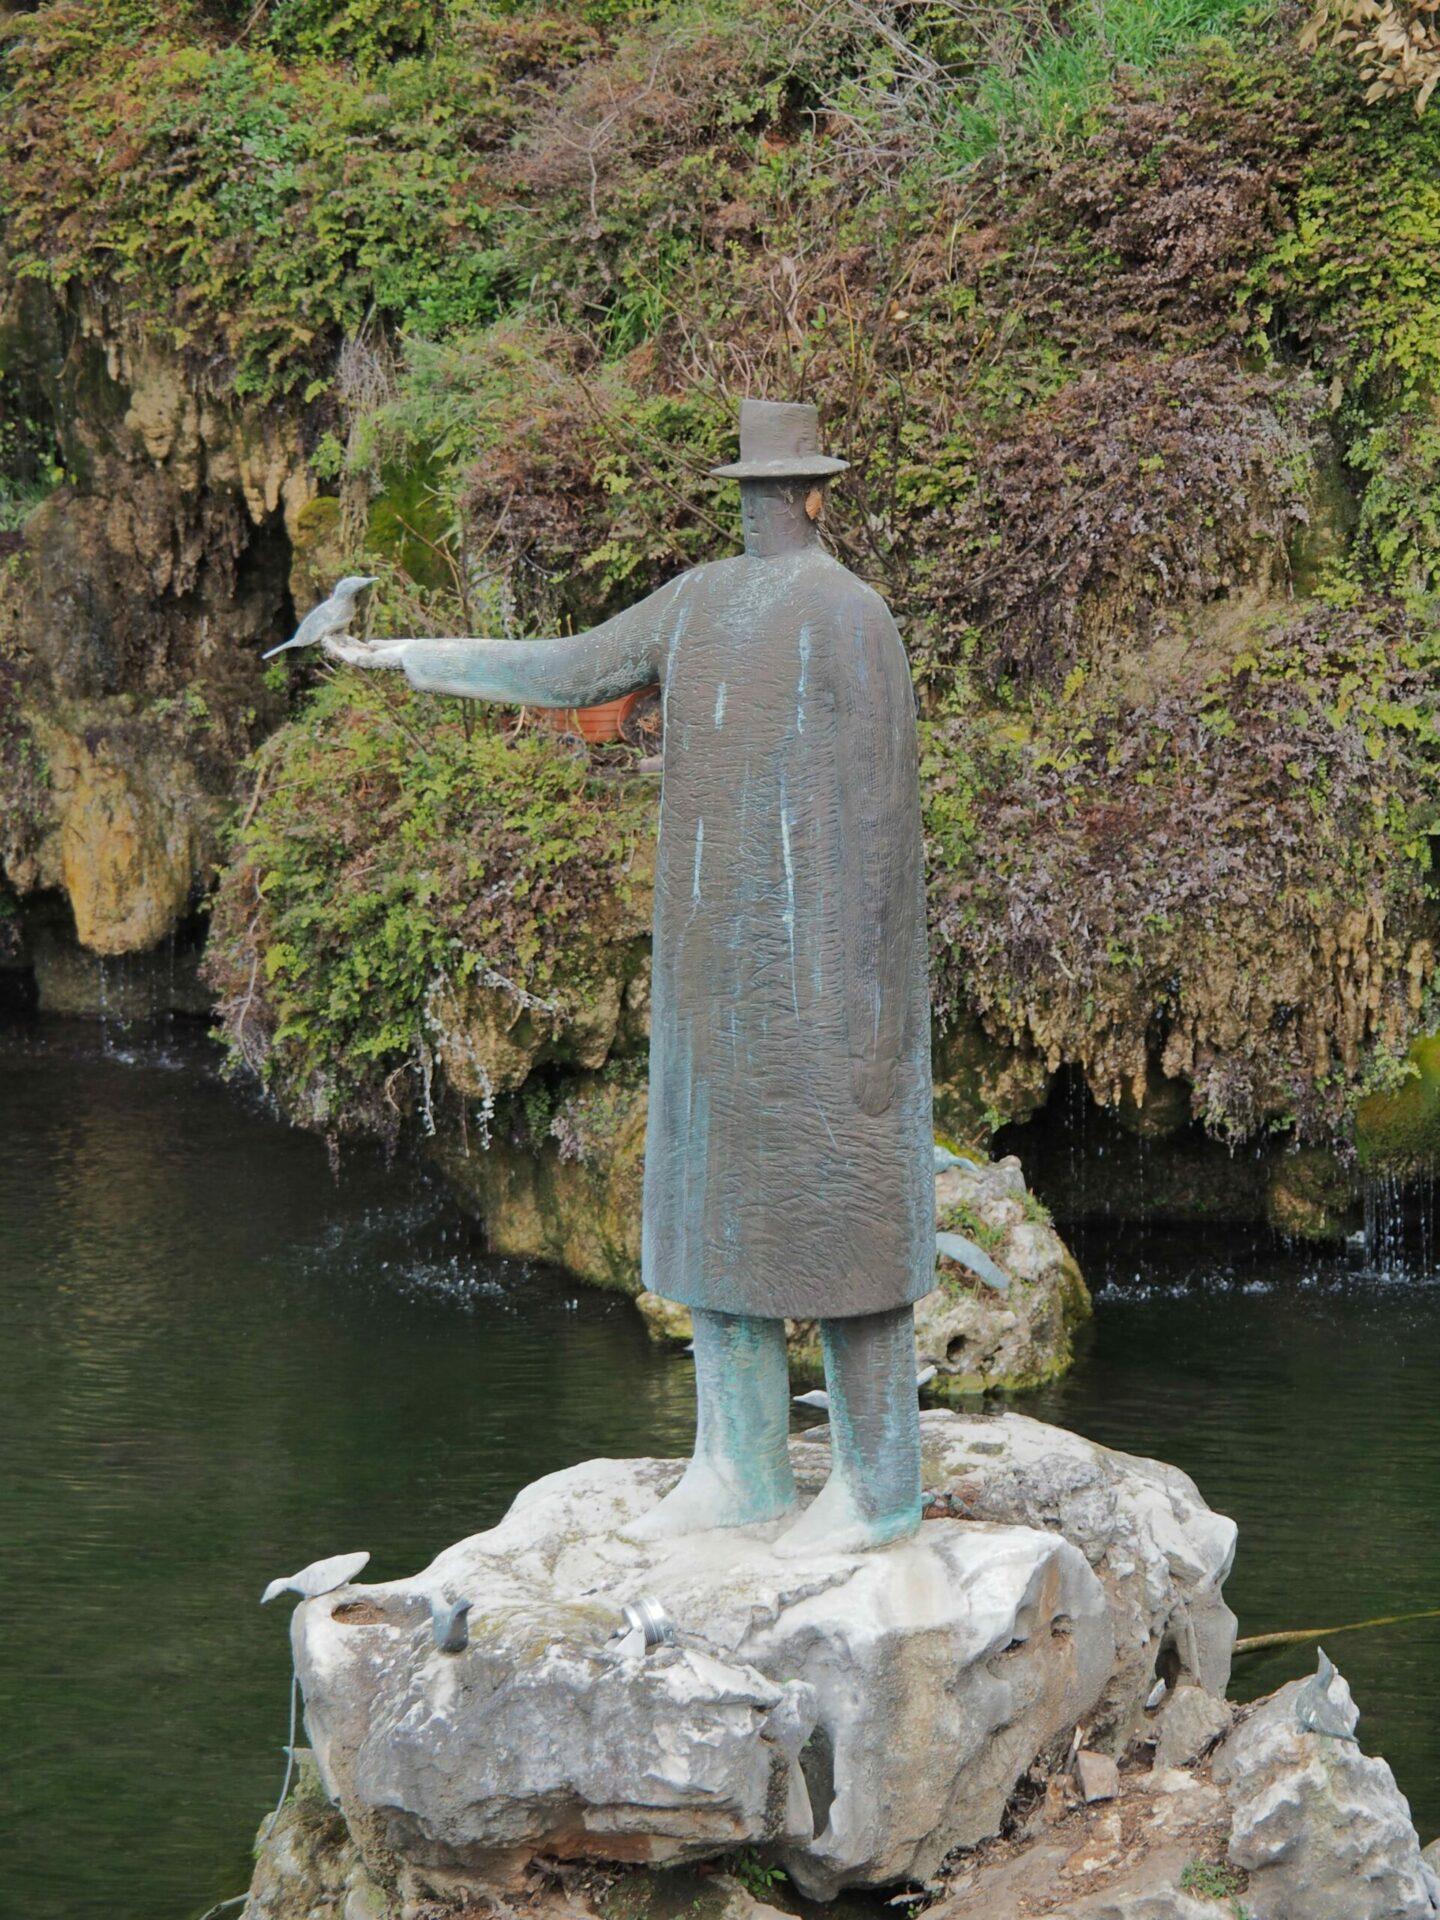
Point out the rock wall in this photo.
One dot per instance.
(132, 618)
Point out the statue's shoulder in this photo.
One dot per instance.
(708, 573)
(845, 592)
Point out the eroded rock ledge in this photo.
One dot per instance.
(861, 1716)
(974, 1714)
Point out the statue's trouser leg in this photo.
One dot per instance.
(875, 1418)
(740, 1472)
(742, 1431)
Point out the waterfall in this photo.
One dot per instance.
(1399, 1231)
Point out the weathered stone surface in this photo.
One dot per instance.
(129, 986)
(980, 1082)
(1157, 1108)
(1281, 1826)
(1321, 1829)
(1142, 1525)
(1312, 1195)
(1096, 1776)
(307, 1866)
(861, 1714)
(1189, 1721)
(1122, 1860)
(133, 620)
(666, 1321)
(131, 843)
(978, 1339)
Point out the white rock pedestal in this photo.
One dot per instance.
(861, 1715)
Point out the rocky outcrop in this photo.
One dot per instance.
(132, 620)
(1276, 1823)
(976, 1337)
(573, 1197)
(1003, 1323)
(1319, 1828)
(976, 1711)
(860, 1715)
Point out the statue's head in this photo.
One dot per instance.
(780, 458)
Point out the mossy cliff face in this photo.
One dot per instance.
(132, 615)
(1135, 361)
(564, 1185)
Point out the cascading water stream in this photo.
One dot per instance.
(1398, 1238)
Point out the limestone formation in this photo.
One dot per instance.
(860, 1715)
(132, 621)
(1129, 1859)
(976, 1338)
(573, 1198)
(1279, 1824)
(1320, 1828)
(1188, 1723)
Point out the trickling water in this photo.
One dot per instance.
(1398, 1239)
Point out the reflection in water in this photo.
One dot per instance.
(221, 1363)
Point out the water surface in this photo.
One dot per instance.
(222, 1361)
(1303, 1396)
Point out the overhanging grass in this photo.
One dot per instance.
(1037, 90)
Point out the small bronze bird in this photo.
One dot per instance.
(330, 619)
(448, 1624)
(321, 1576)
(1317, 1712)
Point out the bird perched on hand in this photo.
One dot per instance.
(330, 619)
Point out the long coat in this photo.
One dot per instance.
(788, 1162)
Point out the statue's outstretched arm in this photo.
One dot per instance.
(577, 670)
(880, 848)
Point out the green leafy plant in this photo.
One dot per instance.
(758, 1877)
(393, 856)
(1211, 1879)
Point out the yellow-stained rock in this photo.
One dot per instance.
(489, 1038)
(129, 849)
(574, 1199)
(666, 1321)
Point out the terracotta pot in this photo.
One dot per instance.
(598, 724)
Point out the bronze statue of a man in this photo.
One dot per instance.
(788, 1161)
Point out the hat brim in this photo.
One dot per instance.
(815, 466)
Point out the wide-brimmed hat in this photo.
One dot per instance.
(779, 440)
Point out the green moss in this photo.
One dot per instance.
(963, 1219)
(240, 205)
(1106, 407)
(393, 850)
(1400, 1130)
(411, 527)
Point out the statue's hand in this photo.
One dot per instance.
(363, 653)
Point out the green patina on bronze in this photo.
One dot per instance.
(788, 1166)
